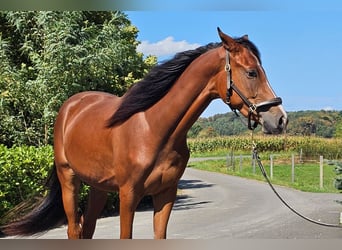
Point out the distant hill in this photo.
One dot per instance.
(320, 123)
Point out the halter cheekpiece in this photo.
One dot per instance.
(252, 108)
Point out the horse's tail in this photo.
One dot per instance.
(48, 214)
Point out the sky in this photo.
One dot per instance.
(301, 49)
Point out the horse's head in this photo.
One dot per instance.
(248, 89)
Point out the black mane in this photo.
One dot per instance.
(160, 79)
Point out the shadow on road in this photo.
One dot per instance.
(184, 201)
(190, 184)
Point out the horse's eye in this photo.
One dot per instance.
(252, 74)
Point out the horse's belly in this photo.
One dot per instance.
(105, 183)
(97, 171)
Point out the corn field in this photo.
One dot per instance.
(309, 146)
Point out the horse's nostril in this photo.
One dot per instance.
(283, 122)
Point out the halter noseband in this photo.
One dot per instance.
(252, 108)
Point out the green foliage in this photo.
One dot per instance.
(207, 133)
(23, 172)
(320, 123)
(338, 183)
(220, 125)
(47, 56)
(338, 128)
(338, 179)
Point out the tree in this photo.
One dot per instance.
(207, 132)
(338, 128)
(194, 130)
(47, 56)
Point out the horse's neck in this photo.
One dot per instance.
(175, 113)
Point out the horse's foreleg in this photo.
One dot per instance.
(128, 203)
(96, 201)
(163, 203)
(70, 185)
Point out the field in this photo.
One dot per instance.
(306, 174)
(305, 149)
(310, 146)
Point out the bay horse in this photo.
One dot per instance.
(136, 144)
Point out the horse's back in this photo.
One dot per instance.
(85, 105)
(84, 99)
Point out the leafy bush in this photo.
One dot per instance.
(338, 179)
(47, 56)
(23, 171)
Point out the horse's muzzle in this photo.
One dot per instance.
(274, 121)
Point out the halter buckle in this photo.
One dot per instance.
(253, 108)
(227, 68)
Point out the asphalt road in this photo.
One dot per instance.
(212, 205)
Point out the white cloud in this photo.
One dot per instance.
(165, 47)
(328, 108)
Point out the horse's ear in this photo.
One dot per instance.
(228, 42)
(245, 37)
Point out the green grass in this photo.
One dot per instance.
(306, 174)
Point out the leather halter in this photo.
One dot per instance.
(253, 108)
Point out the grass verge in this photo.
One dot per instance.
(307, 174)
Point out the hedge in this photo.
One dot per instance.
(23, 173)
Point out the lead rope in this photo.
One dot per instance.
(263, 171)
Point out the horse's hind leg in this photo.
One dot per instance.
(70, 185)
(96, 201)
